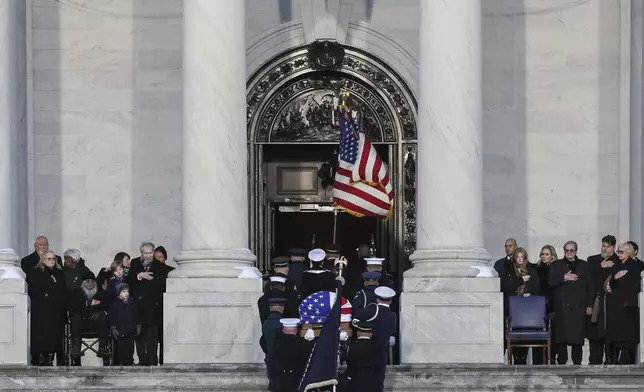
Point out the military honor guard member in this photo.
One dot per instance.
(363, 360)
(367, 296)
(384, 325)
(279, 265)
(332, 254)
(270, 328)
(288, 357)
(375, 264)
(278, 289)
(317, 278)
(297, 266)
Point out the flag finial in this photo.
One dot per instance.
(344, 95)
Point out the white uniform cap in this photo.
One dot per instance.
(280, 279)
(290, 322)
(374, 260)
(345, 318)
(385, 292)
(317, 255)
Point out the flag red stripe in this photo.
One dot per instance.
(363, 195)
(364, 158)
(376, 170)
(344, 172)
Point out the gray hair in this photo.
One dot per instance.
(73, 254)
(146, 245)
(571, 243)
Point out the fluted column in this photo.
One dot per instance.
(215, 174)
(210, 307)
(450, 155)
(13, 297)
(451, 310)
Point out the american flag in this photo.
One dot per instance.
(362, 186)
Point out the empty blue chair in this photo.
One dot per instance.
(528, 324)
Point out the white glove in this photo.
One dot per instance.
(344, 336)
(309, 335)
(392, 341)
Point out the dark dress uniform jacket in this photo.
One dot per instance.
(365, 297)
(295, 272)
(48, 295)
(147, 293)
(622, 321)
(316, 279)
(571, 300)
(287, 361)
(270, 328)
(596, 329)
(363, 365)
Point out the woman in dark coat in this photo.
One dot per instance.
(573, 302)
(547, 256)
(48, 294)
(622, 312)
(522, 279)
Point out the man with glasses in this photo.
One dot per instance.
(601, 266)
(574, 297)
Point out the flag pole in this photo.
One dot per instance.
(335, 222)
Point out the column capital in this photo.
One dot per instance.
(216, 263)
(454, 262)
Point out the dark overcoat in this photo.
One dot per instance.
(622, 312)
(48, 294)
(363, 365)
(596, 323)
(148, 294)
(571, 298)
(287, 361)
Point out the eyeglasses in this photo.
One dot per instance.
(50, 258)
(570, 250)
(619, 252)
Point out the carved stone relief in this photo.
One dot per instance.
(409, 198)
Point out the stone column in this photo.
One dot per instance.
(450, 312)
(13, 289)
(210, 304)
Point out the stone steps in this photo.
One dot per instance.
(252, 378)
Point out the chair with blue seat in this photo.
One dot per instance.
(528, 324)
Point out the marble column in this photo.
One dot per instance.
(210, 304)
(13, 289)
(451, 307)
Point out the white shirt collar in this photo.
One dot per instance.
(364, 337)
(386, 305)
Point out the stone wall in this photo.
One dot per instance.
(107, 118)
(107, 106)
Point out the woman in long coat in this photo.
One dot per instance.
(48, 294)
(622, 312)
(573, 302)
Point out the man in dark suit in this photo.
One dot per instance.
(601, 266)
(505, 262)
(146, 280)
(40, 246)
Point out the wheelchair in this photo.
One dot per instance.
(89, 343)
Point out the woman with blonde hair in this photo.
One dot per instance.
(547, 256)
(622, 311)
(48, 294)
(522, 279)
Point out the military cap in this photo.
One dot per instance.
(371, 275)
(333, 248)
(290, 322)
(281, 261)
(317, 255)
(385, 293)
(276, 301)
(278, 278)
(297, 252)
(374, 260)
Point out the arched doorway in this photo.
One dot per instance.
(293, 131)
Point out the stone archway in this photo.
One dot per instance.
(292, 98)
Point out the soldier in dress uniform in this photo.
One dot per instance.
(297, 267)
(278, 284)
(363, 362)
(288, 358)
(270, 328)
(279, 265)
(317, 278)
(332, 254)
(375, 264)
(367, 296)
(384, 325)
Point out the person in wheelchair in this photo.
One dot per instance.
(88, 313)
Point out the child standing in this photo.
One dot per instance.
(124, 324)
